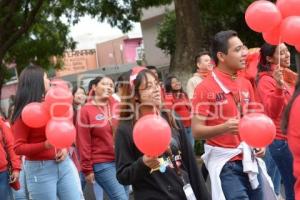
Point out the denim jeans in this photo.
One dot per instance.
(283, 158)
(5, 190)
(190, 136)
(49, 179)
(105, 175)
(97, 189)
(22, 193)
(273, 171)
(236, 185)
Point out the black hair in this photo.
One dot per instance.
(150, 67)
(75, 88)
(99, 78)
(168, 84)
(129, 112)
(197, 58)
(31, 88)
(91, 83)
(220, 43)
(122, 80)
(265, 51)
(95, 81)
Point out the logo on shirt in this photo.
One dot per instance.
(100, 117)
(220, 97)
(246, 96)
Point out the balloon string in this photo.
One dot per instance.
(279, 59)
(279, 51)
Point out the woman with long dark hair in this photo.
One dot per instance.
(143, 97)
(274, 93)
(122, 81)
(95, 138)
(177, 100)
(79, 99)
(50, 173)
(291, 126)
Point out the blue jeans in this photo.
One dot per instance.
(105, 175)
(49, 179)
(236, 185)
(5, 190)
(273, 171)
(97, 189)
(190, 136)
(283, 158)
(22, 193)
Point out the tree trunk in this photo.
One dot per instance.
(2, 77)
(188, 41)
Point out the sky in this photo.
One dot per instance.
(89, 31)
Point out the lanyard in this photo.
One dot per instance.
(176, 167)
(236, 97)
(237, 100)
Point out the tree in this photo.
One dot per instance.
(24, 22)
(211, 21)
(32, 31)
(166, 38)
(188, 41)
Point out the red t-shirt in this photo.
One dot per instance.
(95, 135)
(211, 101)
(181, 105)
(293, 137)
(31, 142)
(274, 100)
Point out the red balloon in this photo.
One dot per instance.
(59, 101)
(290, 30)
(152, 135)
(35, 115)
(289, 7)
(69, 114)
(262, 16)
(60, 133)
(60, 110)
(274, 36)
(257, 130)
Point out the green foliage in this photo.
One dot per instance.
(166, 39)
(215, 15)
(199, 147)
(32, 31)
(44, 40)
